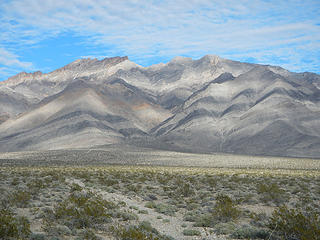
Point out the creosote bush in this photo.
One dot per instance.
(225, 209)
(271, 193)
(21, 198)
(83, 209)
(293, 224)
(13, 227)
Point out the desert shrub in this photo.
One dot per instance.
(209, 180)
(107, 180)
(258, 219)
(55, 230)
(271, 193)
(225, 209)
(36, 185)
(37, 236)
(20, 198)
(225, 228)
(143, 211)
(141, 232)
(134, 207)
(150, 204)
(191, 232)
(292, 224)
(166, 209)
(126, 216)
(83, 209)
(88, 234)
(249, 232)
(192, 206)
(57, 176)
(75, 187)
(13, 227)
(184, 189)
(15, 181)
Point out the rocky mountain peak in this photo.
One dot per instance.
(212, 59)
(92, 63)
(21, 77)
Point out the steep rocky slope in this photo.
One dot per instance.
(206, 105)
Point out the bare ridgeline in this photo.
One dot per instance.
(191, 149)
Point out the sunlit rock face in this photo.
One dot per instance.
(206, 105)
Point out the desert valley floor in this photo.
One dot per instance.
(133, 193)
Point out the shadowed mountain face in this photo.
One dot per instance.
(206, 105)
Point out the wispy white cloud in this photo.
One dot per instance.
(144, 30)
(10, 64)
(10, 59)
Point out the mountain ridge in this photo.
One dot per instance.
(207, 105)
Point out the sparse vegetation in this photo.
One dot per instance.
(115, 202)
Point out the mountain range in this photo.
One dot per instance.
(206, 105)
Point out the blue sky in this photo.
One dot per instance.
(48, 34)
